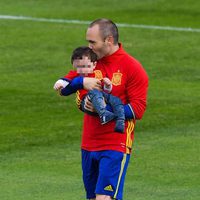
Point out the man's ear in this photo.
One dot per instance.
(110, 39)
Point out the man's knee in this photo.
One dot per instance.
(103, 197)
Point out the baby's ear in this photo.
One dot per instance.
(95, 63)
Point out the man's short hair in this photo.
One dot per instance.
(107, 28)
(79, 52)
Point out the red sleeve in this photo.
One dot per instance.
(71, 75)
(137, 87)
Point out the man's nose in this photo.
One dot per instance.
(90, 45)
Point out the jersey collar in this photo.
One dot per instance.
(115, 56)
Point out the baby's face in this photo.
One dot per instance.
(84, 66)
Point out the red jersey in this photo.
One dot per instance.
(130, 84)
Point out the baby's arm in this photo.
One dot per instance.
(65, 84)
(60, 84)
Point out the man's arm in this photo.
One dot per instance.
(137, 87)
(129, 114)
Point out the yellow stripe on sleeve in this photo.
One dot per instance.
(129, 130)
(78, 100)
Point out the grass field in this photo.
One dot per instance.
(40, 132)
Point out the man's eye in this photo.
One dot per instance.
(91, 42)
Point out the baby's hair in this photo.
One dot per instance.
(79, 52)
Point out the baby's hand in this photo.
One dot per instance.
(107, 85)
(60, 84)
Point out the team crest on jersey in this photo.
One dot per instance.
(98, 74)
(117, 78)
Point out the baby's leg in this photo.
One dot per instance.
(99, 104)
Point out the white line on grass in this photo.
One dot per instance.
(169, 28)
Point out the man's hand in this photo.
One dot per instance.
(88, 104)
(91, 83)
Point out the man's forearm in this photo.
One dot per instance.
(128, 111)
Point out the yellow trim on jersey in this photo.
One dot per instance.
(120, 174)
(129, 141)
(78, 100)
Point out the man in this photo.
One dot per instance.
(105, 153)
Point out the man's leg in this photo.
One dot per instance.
(112, 170)
(103, 197)
(90, 174)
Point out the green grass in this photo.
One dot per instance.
(160, 12)
(40, 132)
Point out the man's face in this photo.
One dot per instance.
(98, 44)
(84, 66)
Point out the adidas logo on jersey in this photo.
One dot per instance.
(109, 188)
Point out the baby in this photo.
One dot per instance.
(84, 60)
